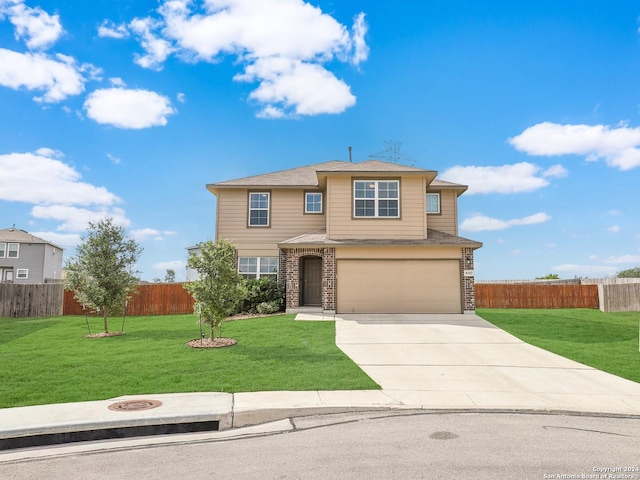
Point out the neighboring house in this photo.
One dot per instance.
(25, 258)
(192, 275)
(368, 237)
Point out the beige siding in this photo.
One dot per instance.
(447, 221)
(342, 225)
(287, 220)
(398, 286)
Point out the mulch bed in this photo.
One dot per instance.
(218, 342)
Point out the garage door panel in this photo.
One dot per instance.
(398, 286)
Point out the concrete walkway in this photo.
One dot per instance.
(434, 362)
(463, 361)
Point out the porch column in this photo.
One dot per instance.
(468, 281)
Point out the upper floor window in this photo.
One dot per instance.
(433, 203)
(258, 267)
(313, 202)
(376, 198)
(259, 209)
(9, 250)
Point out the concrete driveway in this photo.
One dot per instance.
(463, 361)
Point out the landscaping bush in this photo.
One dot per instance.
(263, 294)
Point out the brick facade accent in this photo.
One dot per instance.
(468, 290)
(290, 272)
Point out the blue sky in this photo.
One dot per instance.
(128, 109)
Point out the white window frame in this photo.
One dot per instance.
(22, 273)
(260, 209)
(436, 195)
(306, 203)
(6, 250)
(261, 268)
(376, 198)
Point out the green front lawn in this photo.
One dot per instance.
(48, 360)
(606, 341)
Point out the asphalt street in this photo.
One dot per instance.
(374, 445)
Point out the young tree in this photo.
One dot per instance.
(102, 274)
(220, 289)
(170, 277)
(550, 276)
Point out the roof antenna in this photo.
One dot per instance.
(350, 159)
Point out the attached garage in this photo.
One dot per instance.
(398, 286)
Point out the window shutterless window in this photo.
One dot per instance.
(9, 250)
(259, 209)
(376, 198)
(258, 267)
(433, 203)
(22, 273)
(313, 202)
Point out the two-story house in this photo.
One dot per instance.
(367, 237)
(25, 258)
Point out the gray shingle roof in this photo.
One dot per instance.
(307, 176)
(20, 236)
(434, 237)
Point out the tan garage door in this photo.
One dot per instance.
(399, 286)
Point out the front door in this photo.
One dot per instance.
(312, 281)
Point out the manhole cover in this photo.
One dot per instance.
(443, 435)
(134, 405)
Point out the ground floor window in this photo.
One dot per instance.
(258, 267)
(22, 273)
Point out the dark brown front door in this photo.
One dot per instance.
(312, 281)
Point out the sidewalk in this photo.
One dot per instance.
(245, 409)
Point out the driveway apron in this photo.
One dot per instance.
(449, 361)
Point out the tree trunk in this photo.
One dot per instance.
(106, 324)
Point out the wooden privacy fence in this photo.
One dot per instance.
(30, 300)
(527, 295)
(620, 298)
(151, 299)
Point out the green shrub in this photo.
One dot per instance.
(266, 308)
(263, 291)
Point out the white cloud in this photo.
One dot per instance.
(181, 97)
(618, 146)
(39, 29)
(572, 270)
(307, 89)
(614, 213)
(128, 108)
(58, 77)
(117, 82)
(631, 259)
(114, 159)
(109, 29)
(283, 45)
(360, 47)
(170, 265)
(75, 219)
(480, 223)
(614, 229)
(157, 49)
(143, 234)
(516, 178)
(41, 178)
(556, 171)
